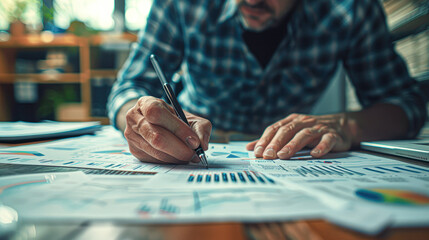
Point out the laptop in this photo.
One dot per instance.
(415, 149)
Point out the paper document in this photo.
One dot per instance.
(374, 191)
(388, 187)
(75, 197)
(108, 149)
(25, 131)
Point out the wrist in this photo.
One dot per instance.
(354, 130)
(120, 120)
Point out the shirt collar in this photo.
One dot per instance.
(229, 10)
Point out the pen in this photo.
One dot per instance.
(177, 108)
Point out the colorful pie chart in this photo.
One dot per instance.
(393, 196)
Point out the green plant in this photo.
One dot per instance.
(48, 13)
(54, 97)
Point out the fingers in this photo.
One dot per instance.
(156, 134)
(325, 145)
(148, 142)
(278, 134)
(251, 146)
(266, 137)
(164, 141)
(202, 127)
(302, 139)
(290, 135)
(301, 130)
(159, 113)
(146, 153)
(331, 142)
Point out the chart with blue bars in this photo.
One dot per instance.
(404, 169)
(234, 178)
(322, 170)
(354, 167)
(337, 170)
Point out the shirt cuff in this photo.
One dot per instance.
(415, 116)
(116, 103)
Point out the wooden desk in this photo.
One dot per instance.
(299, 230)
(308, 229)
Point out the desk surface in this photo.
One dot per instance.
(306, 229)
(309, 229)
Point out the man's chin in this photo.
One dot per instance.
(256, 27)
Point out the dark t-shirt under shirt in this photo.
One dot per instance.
(264, 44)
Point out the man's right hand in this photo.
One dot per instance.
(155, 134)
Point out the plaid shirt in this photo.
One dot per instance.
(224, 82)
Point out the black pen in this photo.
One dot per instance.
(177, 108)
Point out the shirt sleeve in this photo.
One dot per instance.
(161, 36)
(378, 73)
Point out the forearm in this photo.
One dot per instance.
(378, 122)
(121, 121)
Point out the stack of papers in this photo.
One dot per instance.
(356, 190)
(26, 131)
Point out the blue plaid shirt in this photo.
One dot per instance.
(224, 82)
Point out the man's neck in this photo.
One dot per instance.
(263, 44)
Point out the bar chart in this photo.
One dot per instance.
(240, 177)
(323, 170)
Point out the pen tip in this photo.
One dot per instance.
(204, 160)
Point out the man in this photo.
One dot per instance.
(248, 65)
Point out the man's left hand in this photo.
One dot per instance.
(322, 133)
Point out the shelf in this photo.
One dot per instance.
(102, 120)
(415, 23)
(66, 40)
(41, 78)
(88, 59)
(422, 77)
(103, 73)
(122, 38)
(43, 41)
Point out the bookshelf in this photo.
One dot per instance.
(77, 61)
(408, 21)
(406, 17)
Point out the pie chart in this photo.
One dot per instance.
(393, 196)
(232, 154)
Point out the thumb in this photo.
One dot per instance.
(203, 128)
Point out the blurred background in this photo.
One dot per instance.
(59, 58)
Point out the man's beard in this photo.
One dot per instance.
(270, 23)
